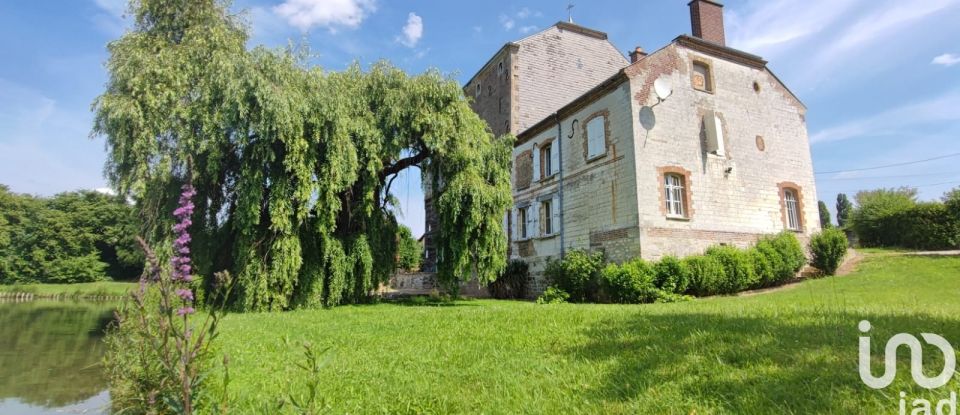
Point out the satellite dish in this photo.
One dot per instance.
(663, 88)
(647, 118)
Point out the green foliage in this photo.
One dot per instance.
(629, 283)
(892, 218)
(824, 215)
(828, 248)
(844, 209)
(928, 225)
(69, 238)
(512, 283)
(737, 266)
(706, 275)
(763, 266)
(293, 165)
(671, 275)
(411, 251)
(868, 220)
(790, 253)
(553, 295)
(578, 274)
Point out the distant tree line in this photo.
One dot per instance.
(894, 218)
(71, 237)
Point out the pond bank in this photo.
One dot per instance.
(95, 291)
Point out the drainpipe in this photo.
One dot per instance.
(556, 116)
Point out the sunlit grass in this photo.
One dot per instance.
(79, 290)
(793, 351)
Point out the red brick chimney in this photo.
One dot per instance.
(706, 17)
(637, 54)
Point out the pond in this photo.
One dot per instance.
(51, 357)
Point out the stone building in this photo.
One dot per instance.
(602, 163)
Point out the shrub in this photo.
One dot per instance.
(671, 274)
(828, 248)
(790, 254)
(706, 274)
(737, 266)
(553, 295)
(512, 283)
(630, 283)
(763, 267)
(778, 270)
(578, 274)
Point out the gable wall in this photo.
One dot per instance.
(735, 207)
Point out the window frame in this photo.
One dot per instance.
(522, 230)
(603, 116)
(685, 193)
(674, 195)
(546, 207)
(708, 82)
(546, 160)
(796, 205)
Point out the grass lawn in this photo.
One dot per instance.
(79, 290)
(791, 351)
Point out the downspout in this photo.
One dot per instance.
(556, 117)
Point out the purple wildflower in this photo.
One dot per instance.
(181, 245)
(185, 294)
(185, 310)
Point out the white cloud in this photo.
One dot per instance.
(527, 29)
(331, 14)
(507, 22)
(768, 27)
(412, 32)
(112, 17)
(947, 59)
(897, 121)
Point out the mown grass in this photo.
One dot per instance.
(792, 351)
(79, 290)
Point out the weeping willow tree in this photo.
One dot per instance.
(292, 165)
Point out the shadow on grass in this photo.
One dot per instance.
(428, 301)
(789, 362)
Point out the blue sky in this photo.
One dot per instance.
(881, 78)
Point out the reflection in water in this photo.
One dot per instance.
(51, 352)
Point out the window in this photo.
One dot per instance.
(792, 205)
(522, 223)
(674, 195)
(596, 137)
(546, 207)
(701, 77)
(546, 154)
(500, 68)
(479, 89)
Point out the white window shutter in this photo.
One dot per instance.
(533, 221)
(515, 232)
(714, 132)
(506, 224)
(555, 157)
(555, 206)
(536, 163)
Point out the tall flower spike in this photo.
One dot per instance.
(181, 245)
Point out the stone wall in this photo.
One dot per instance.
(734, 198)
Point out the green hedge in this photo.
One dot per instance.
(721, 270)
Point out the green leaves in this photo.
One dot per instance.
(292, 164)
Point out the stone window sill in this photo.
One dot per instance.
(597, 157)
(678, 218)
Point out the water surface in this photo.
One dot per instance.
(50, 357)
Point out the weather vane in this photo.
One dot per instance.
(570, 12)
